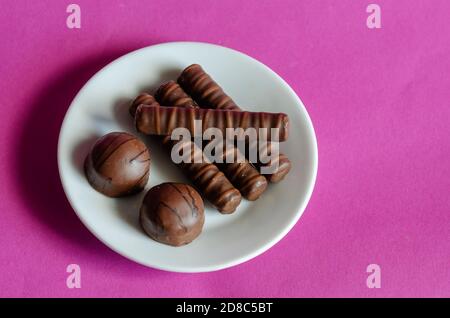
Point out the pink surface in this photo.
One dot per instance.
(379, 101)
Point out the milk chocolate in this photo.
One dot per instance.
(144, 99)
(208, 94)
(211, 182)
(154, 120)
(118, 165)
(243, 175)
(171, 94)
(172, 213)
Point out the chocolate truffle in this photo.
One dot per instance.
(172, 213)
(118, 165)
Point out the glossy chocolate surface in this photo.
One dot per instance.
(118, 165)
(172, 213)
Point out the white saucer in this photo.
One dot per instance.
(101, 107)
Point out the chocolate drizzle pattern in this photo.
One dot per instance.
(190, 202)
(145, 99)
(118, 165)
(208, 94)
(155, 120)
(167, 216)
(242, 175)
(211, 182)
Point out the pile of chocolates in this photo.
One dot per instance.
(173, 213)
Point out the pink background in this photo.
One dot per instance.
(379, 101)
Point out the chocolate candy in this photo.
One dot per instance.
(172, 213)
(211, 182)
(242, 175)
(154, 120)
(171, 94)
(118, 165)
(208, 94)
(143, 98)
(203, 89)
(280, 165)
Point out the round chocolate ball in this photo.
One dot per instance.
(118, 165)
(172, 213)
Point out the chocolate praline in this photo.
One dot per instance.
(172, 213)
(118, 165)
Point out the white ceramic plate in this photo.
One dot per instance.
(101, 107)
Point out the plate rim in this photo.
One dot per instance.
(238, 260)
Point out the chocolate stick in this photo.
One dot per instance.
(208, 94)
(155, 120)
(242, 174)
